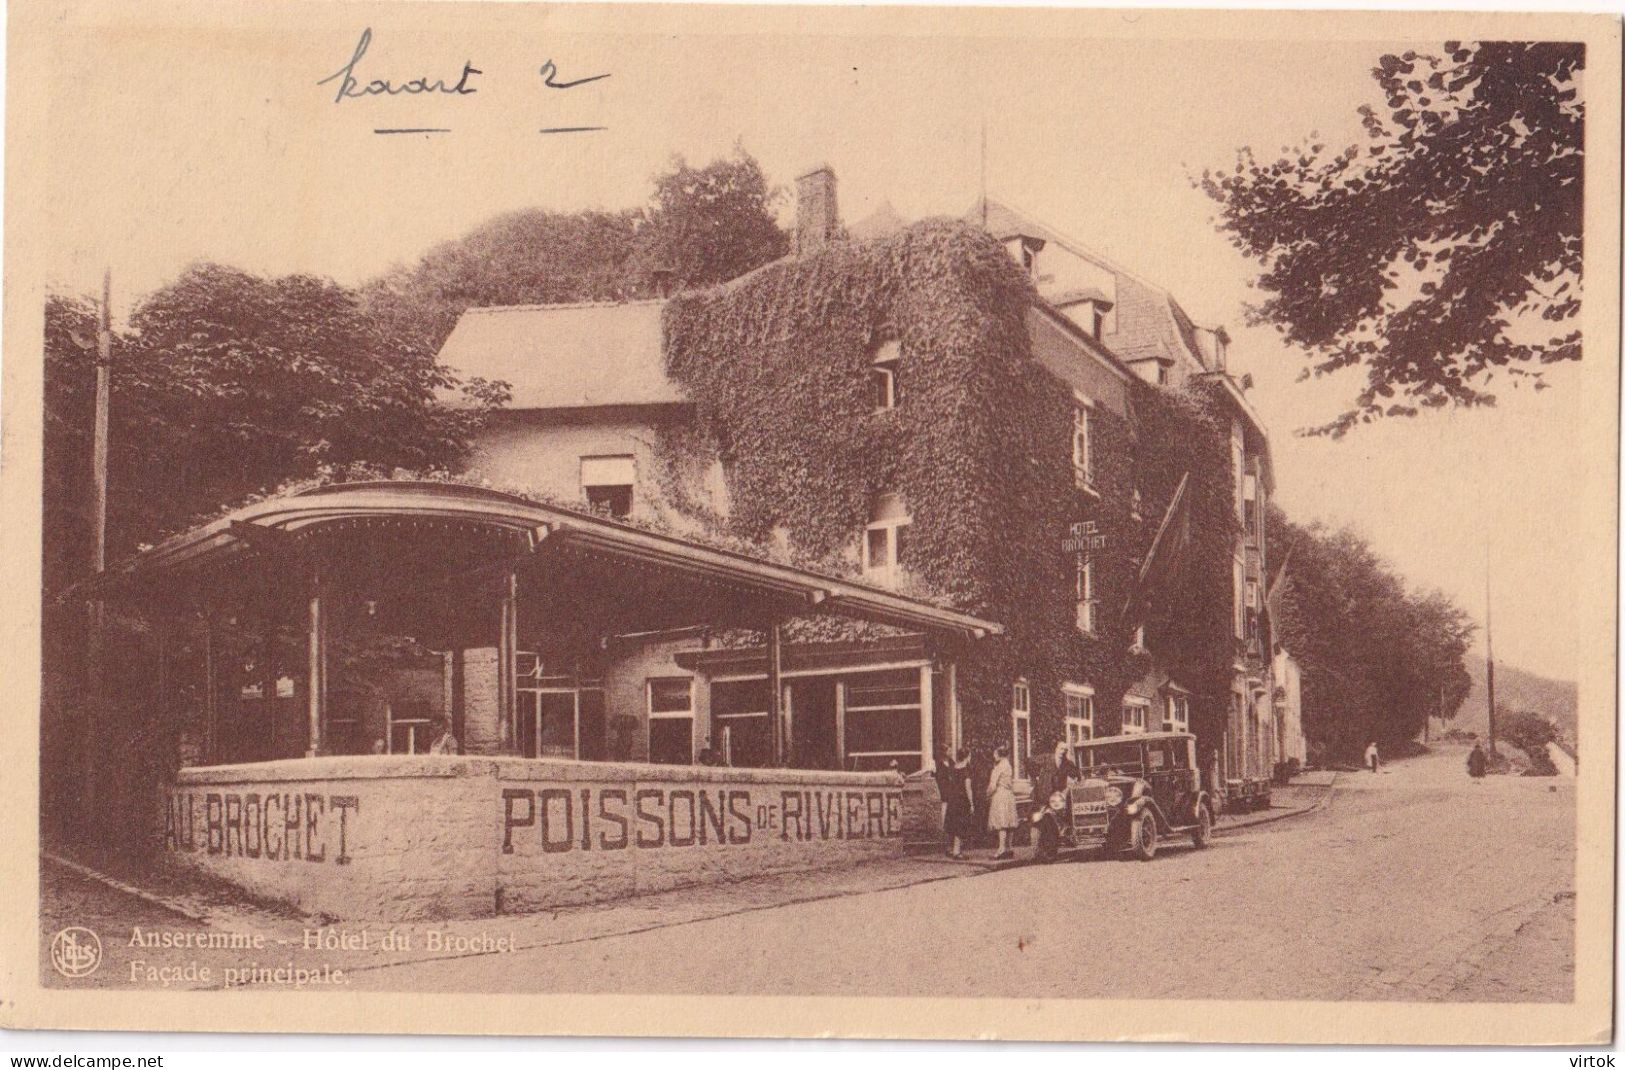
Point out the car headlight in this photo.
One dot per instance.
(1139, 789)
(1114, 795)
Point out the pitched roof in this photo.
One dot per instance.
(883, 222)
(1150, 322)
(566, 356)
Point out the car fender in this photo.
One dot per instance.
(1148, 808)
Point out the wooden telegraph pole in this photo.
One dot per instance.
(1489, 654)
(104, 369)
(92, 710)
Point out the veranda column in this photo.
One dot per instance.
(775, 692)
(508, 658)
(211, 729)
(927, 747)
(316, 665)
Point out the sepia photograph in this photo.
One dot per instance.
(737, 520)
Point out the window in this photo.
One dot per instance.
(1239, 595)
(606, 483)
(883, 376)
(1086, 595)
(882, 720)
(1137, 643)
(1021, 728)
(409, 727)
(1083, 444)
(1135, 505)
(1078, 702)
(343, 734)
(884, 539)
(1099, 317)
(741, 729)
(671, 720)
(1134, 715)
(547, 708)
(1238, 468)
(1176, 712)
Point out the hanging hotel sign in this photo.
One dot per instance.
(1084, 537)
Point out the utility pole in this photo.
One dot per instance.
(984, 174)
(92, 710)
(104, 369)
(1489, 654)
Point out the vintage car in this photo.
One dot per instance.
(1132, 792)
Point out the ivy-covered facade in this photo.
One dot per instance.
(915, 411)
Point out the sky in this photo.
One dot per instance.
(174, 143)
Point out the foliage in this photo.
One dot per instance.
(703, 225)
(1186, 435)
(526, 257)
(227, 383)
(979, 450)
(1446, 250)
(714, 223)
(1530, 733)
(1377, 658)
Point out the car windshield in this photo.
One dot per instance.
(1110, 758)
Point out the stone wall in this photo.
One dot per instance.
(393, 838)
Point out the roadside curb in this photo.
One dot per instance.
(174, 906)
(1267, 818)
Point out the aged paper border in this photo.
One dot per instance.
(1588, 1020)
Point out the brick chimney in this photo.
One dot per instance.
(817, 218)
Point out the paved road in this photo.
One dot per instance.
(1415, 883)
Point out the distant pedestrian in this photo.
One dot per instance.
(1477, 762)
(1001, 800)
(1371, 756)
(953, 783)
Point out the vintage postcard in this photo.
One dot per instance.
(786, 521)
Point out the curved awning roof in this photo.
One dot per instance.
(531, 523)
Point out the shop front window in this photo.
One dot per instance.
(671, 720)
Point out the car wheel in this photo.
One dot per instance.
(1145, 838)
(1203, 832)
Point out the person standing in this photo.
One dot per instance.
(1477, 762)
(1001, 800)
(1371, 756)
(953, 782)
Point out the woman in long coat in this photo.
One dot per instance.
(1001, 800)
(953, 779)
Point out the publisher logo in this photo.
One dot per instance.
(76, 951)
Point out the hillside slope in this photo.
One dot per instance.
(1516, 689)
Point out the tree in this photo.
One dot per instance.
(519, 258)
(1447, 250)
(713, 223)
(227, 384)
(703, 226)
(1377, 659)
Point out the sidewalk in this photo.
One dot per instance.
(127, 895)
(1308, 791)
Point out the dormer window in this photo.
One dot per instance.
(883, 376)
(1024, 248)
